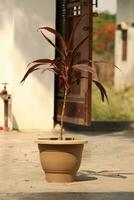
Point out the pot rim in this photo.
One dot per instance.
(60, 142)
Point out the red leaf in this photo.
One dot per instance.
(102, 90)
(72, 33)
(34, 67)
(50, 69)
(29, 72)
(83, 67)
(52, 43)
(79, 44)
(40, 61)
(58, 35)
(103, 62)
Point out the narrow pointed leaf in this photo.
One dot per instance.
(102, 90)
(33, 68)
(52, 43)
(72, 33)
(83, 67)
(103, 62)
(49, 69)
(79, 44)
(29, 72)
(41, 61)
(58, 63)
(58, 35)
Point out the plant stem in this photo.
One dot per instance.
(62, 114)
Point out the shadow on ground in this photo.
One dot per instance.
(87, 175)
(69, 196)
(101, 126)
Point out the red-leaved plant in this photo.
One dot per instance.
(63, 66)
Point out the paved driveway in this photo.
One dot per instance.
(106, 173)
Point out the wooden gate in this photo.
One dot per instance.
(78, 106)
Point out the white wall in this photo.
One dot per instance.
(32, 102)
(125, 13)
(6, 31)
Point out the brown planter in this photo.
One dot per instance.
(60, 159)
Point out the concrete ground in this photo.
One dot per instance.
(106, 172)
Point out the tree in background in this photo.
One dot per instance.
(105, 39)
(103, 44)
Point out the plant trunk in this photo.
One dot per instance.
(62, 114)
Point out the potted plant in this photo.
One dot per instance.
(61, 157)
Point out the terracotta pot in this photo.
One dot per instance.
(60, 159)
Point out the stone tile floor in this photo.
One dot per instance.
(106, 172)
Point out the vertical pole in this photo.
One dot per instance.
(61, 16)
(124, 45)
(5, 115)
(88, 9)
(90, 57)
(60, 27)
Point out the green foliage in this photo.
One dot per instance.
(121, 104)
(103, 37)
(120, 107)
(103, 45)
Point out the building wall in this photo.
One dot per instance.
(125, 14)
(6, 32)
(32, 102)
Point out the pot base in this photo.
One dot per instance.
(59, 177)
(60, 160)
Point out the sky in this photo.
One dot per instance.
(109, 5)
